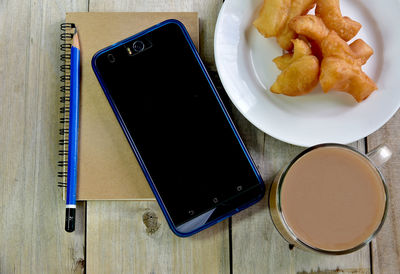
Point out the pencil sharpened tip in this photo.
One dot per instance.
(75, 40)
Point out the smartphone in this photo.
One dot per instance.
(178, 128)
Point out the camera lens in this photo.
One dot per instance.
(111, 58)
(138, 46)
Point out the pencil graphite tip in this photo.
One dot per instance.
(75, 40)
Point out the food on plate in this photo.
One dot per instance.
(337, 74)
(300, 70)
(362, 51)
(316, 48)
(334, 46)
(341, 68)
(272, 17)
(299, 78)
(329, 12)
(301, 48)
(283, 61)
(286, 34)
(310, 26)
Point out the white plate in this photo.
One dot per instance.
(244, 62)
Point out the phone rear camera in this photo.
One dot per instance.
(138, 46)
(111, 58)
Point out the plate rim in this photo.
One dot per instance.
(290, 140)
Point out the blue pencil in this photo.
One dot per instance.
(73, 135)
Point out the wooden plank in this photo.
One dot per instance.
(257, 247)
(386, 247)
(133, 237)
(207, 9)
(32, 236)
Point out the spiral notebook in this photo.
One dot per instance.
(107, 167)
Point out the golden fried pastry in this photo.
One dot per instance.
(334, 46)
(283, 61)
(301, 48)
(310, 26)
(329, 11)
(272, 17)
(316, 50)
(341, 67)
(337, 74)
(299, 78)
(320, 49)
(362, 51)
(297, 7)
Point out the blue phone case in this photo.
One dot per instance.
(134, 148)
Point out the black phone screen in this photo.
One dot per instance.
(177, 124)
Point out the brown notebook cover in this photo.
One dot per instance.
(107, 167)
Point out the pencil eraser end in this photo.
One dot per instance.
(70, 219)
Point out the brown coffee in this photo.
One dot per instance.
(332, 198)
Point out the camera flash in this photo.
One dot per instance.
(129, 51)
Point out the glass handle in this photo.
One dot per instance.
(380, 155)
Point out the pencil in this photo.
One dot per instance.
(73, 135)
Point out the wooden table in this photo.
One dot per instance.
(133, 237)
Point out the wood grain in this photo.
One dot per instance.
(254, 230)
(133, 237)
(128, 236)
(207, 10)
(32, 236)
(386, 247)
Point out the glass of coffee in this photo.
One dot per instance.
(331, 198)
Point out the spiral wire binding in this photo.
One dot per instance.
(65, 47)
